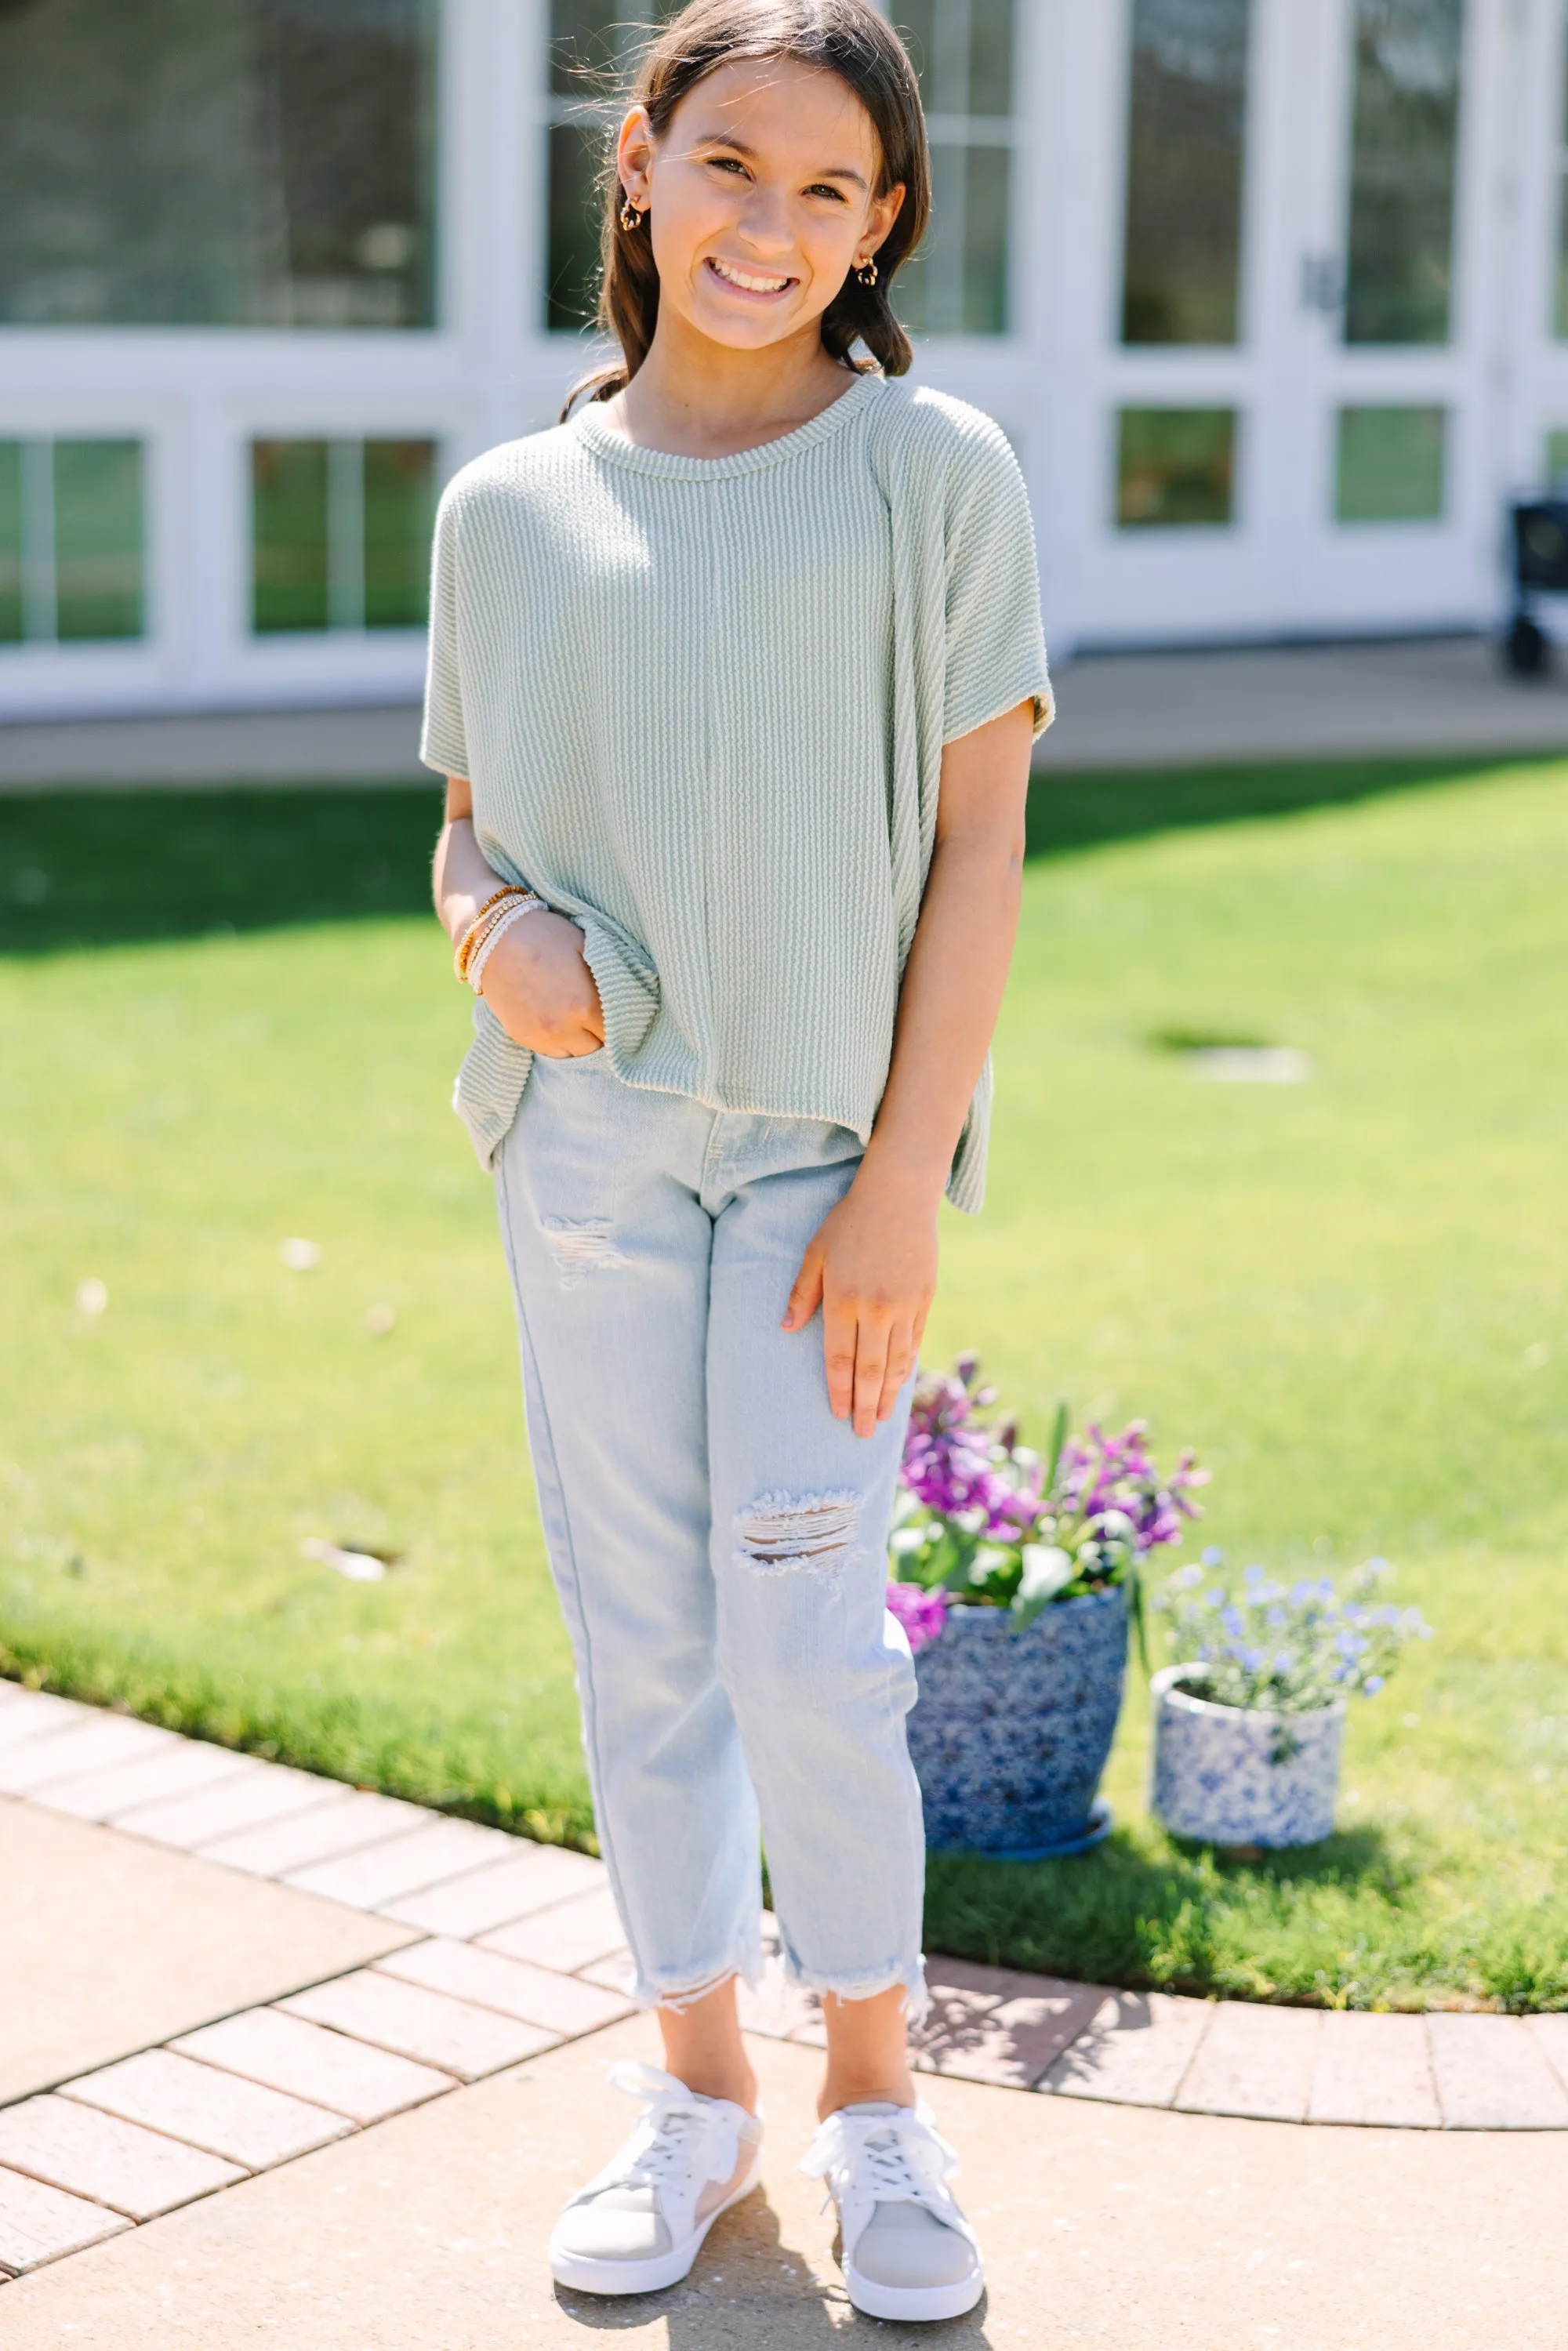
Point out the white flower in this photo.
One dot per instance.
(1045, 1571)
(987, 1560)
(300, 1256)
(92, 1296)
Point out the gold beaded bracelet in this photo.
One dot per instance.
(463, 954)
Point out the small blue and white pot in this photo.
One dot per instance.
(1011, 1730)
(1242, 1775)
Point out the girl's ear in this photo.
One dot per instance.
(634, 157)
(884, 210)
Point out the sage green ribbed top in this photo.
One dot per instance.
(702, 702)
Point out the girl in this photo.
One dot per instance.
(733, 678)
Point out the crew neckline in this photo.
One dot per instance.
(600, 436)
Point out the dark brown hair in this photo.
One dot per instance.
(846, 38)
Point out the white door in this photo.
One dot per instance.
(1283, 416)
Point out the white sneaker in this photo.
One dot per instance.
(909, 2251)
(641, 2223)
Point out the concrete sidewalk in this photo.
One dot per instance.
(1439, 695)
(279, 2055)
(1099, 2224)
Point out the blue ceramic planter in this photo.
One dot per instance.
(1238, 1775)
(1011, 1730)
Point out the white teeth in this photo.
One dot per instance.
(733, 276)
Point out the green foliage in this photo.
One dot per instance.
(1350, 1295)
(1288, 1650)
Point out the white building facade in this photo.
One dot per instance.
(1269, 295)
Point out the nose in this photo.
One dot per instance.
(765, 223)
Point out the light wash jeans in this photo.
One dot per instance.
(719, 1541)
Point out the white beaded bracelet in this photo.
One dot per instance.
(514, 914)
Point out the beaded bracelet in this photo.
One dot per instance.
(484, 922)
(512, 914)
(463, 944)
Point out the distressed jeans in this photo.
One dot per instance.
(718, 1540)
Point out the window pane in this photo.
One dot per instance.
(97, 539)
(1187, 120)
(10, 542)
(594, 46)
(963, 52)
(217, 162)
(400, 483)
(1403, 147)
(1175, 466)
(991, 57)
(915, 21)
(571, 288)
(986, 240)
(289, 571)
(1390, 464)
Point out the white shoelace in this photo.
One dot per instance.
(676, 2131)
(892, 2158)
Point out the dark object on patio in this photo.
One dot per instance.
(1540, 568)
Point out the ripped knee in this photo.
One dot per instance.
(783, 1534)
(580, 1248)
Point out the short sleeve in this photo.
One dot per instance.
(444, 745)
(995, 644)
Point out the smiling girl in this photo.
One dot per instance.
(733, 677)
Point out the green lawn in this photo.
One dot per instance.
(1351, 1296)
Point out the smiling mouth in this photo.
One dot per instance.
(746, 281)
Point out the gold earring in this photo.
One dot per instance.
(630, 218)
(866, 271)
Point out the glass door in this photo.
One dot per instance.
(1373, 427)
(1290, 395)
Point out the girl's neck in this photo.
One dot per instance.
(694, 398)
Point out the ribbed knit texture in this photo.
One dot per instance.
(702, 702)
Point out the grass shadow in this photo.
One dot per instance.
(1073, 812)
(101, 869)
(1146, 1911)
(84, 868)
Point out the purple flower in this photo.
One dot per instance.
(969, 1475)
(921, 1614)
(947, 1463)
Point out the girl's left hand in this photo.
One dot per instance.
(872, 1267)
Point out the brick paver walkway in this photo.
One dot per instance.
(354, 1957)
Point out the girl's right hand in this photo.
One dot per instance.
(537, 984)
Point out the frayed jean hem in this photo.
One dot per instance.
(748, 1968)
(867, 1984)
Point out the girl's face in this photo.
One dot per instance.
(760, 198)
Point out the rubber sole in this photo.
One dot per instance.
(589, 2276)
(914, 2300)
